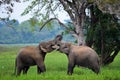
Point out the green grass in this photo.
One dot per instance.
(56, 65)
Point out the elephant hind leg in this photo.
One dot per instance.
(96, 68)
(25, 69)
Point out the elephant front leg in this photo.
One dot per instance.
(41, 67)
(40, 70)
(70, 68)
(19, 70)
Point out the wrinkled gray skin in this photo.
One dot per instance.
(31, 55)
(81, 56)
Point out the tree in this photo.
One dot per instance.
(74, 8)
(6, 7)
(109, 6)
(103, 33)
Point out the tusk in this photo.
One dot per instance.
(55, 47)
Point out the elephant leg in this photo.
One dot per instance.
(25, 69)
(70, 69)
(71, 66)
(19, 66)
(96, 68)
(38, 70)
(19, 70)
(40, 67)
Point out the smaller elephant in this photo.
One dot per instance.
(81, 56)
(31, 55)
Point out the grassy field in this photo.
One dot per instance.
(56, 65)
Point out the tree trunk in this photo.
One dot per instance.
(79, 25)
(81, 39)
(76, 11)
(79, 35)
(90, 34)
(110, 58)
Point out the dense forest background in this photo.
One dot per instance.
(13, 32)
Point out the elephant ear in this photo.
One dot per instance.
(43, 49)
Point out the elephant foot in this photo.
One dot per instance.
(69, 73)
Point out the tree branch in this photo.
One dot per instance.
(8, 25)
(63, 25)
(67, 8)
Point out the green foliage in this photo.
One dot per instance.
(56, 64)
(109, 6)
(6, 7)
(28, 32)
(103, 34)
(42, 8)
(110, 1)
(28, 9)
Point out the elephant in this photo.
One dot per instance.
(79, 55)
(34, 55)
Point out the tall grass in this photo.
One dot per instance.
(56, 65)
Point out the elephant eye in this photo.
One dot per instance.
(58, 44)
(50, 45)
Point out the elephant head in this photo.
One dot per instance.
(63, 47)
(47, 46)
(50, 45)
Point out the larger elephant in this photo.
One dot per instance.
(80, 55)
(31, 55)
